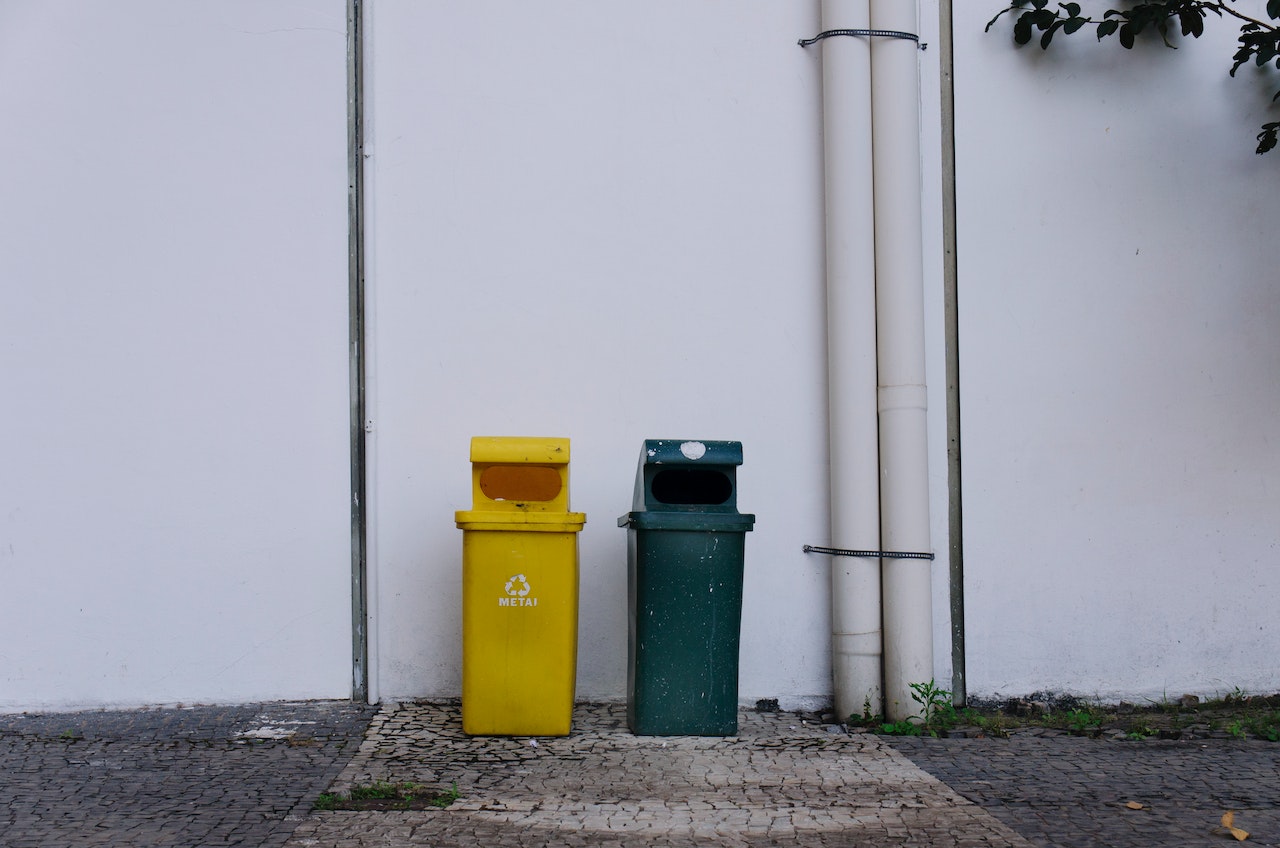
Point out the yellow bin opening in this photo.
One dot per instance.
(519, 589)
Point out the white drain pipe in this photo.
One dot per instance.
(851, 367)
(904, 471)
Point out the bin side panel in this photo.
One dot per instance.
(683, 634)
(519, 632)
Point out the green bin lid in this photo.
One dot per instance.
(688, 476)
(690, 452)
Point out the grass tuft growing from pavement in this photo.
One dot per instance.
(384, 795)
(1236, 715)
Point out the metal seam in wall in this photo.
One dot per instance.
(356, 342)
(950, 273)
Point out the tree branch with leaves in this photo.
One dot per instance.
(1259, 41)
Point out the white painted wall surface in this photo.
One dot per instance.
(599, 221)
(174, 520)
(1118, 313)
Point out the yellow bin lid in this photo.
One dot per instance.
(519, 475)
(518, 450)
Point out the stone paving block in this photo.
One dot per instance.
(1071, 792)
(778, 782)
(247, 776)
(200, 776)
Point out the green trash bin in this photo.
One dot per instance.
(685, 544)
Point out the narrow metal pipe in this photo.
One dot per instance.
(950, 274)
(856, 644)
(356, 343)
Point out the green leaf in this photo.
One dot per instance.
(1048, 34)
(1126, 37)
(1273, 9)
(1073, 9)
(1022, 30)
(1267, 138)
(1072, 24)
(1107, 28)
(1043, 18)
(1192, 23)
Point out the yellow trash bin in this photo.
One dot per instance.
(519, 589)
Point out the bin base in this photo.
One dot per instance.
(685, 613)
(519, 632)
(513, 727)
(665, 725)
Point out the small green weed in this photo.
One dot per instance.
(1264, 726)
(902, 728)
(866, 719)
(934, 701)
(996, 725)
(1237, 714)
(1138, 732)
(447, 797)
(384, 795)
(1081, 720)
(1235, 696)
(938, 714)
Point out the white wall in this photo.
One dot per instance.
(174, 517)
(1118, 313)
(599, 221)
(604, 222)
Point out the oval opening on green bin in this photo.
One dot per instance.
(689, 486)
(520, 483)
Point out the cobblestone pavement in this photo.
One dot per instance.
(1072, 792)
(248, 775)
(781, 781)
(204, 776)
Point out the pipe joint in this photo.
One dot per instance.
(891, 398)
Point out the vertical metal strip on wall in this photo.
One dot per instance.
(949, 274)
(355, 296)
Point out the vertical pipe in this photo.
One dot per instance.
(851, 339)
(369, 278)
(950, 271)
(904, 472)
(355, 342)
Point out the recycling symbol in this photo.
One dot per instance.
(518, 586)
